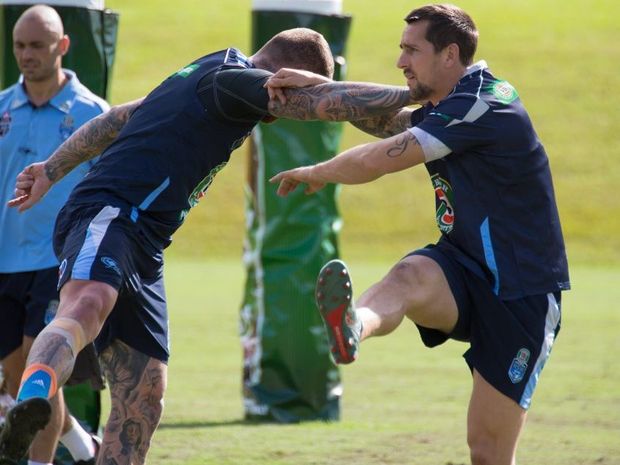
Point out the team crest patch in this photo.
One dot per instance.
(444, 202)
(5, 123)
(503, 91)
(518, 367)
(67, 126)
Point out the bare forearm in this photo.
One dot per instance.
(340, 101)
(386, 125)
(367, 162)
(88, 141)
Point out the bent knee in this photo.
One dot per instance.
(422, 281)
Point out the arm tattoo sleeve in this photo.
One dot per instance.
(387, 125)
(340, 101)
(400, 145)
(88, 141)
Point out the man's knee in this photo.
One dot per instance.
(481, 450)
(410, 274)
(88, 303)
(425, 292)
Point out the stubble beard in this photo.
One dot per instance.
(421, 93)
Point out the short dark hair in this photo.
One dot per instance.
(299, 48)
(448, 24)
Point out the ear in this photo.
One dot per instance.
(451, 55)
(63, 45)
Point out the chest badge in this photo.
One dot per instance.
(5, 123)
(444, 201)
(67, 126)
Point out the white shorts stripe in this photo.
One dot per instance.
(94, 235)
(551, 323)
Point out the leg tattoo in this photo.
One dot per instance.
(137, 384)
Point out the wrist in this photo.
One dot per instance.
(51, 173)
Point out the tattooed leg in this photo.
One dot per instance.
(137, 384)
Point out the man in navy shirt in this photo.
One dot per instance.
(494, 277)
(161, 154)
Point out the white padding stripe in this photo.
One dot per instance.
(432, 147)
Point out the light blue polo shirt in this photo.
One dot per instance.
(29, 135)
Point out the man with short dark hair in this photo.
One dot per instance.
(494, 278)
(162, 154)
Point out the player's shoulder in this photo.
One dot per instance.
(239, 94)
(84, 97)
(7, 94)
(88, 99)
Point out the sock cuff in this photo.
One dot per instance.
(32, 369)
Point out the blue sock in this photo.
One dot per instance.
(38, 381)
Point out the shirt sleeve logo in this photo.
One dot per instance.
(444, 201)
(503, 91)
(5, 123)
(184, 72)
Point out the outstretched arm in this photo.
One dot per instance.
(86, 143)
(357, 165)
(340, 101)
(392, 119)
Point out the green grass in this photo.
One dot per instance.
(562, 57)
(403, 404)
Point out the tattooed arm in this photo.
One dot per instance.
(86, 143)
(373, 108)
(386, 125)
(357, 165)
(340, 101)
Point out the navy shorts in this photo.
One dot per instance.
(28, 300)
(102, 243)
(510, 340)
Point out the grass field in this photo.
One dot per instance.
(403, 404)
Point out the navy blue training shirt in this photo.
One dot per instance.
(494, 193)
(176, 141)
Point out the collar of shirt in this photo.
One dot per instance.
(475, 67)
(63, 100)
